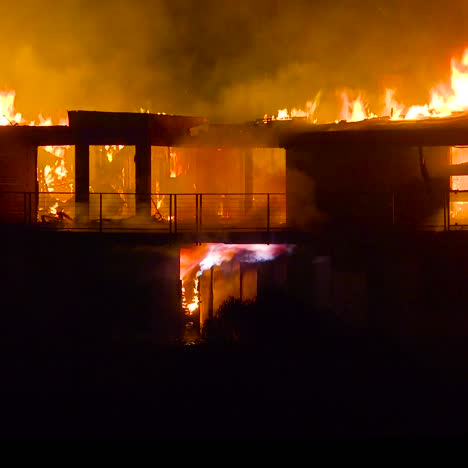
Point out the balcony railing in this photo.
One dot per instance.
(209, 212)
(170, 213)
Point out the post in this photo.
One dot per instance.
(241, 280)
(268, 212)
(445, 209)
(100, 212)
(248, 179)
(175, 213)
(25, 208)
(448, 210)
(196, 213)
(143, 178)
(30, 208)
(82, 181)
(170, 213)
(393, 208)
(201, 211)
(211, 303)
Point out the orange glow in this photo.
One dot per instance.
(8, 115)
(458, 203)
(354, 111)
(444, 100)
(308, 114)
(111, 150)
(195, 260)
(175, 166)
(52, 174)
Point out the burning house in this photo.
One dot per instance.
(366, 201)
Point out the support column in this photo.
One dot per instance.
(143, 178)
(82, 182)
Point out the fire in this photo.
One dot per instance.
(49, 178)
(192, 306)
(308, 114)
(8, 116)
(111, 150)
(194, 261)
(354, 111)
(53, 209)
(52, 174)
(393, 109)
(445, 99)
(175, 168)
(60, 170)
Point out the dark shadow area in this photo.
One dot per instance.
(85, 355)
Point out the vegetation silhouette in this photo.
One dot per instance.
(276, 317)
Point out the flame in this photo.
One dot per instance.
(393, 108)
(194, 261)
(60, 170)
(193, 306)
(354, 111)
(284, 114)
(175, 168)
(205, 256)
(444, 100)
(8, 116)
(49, 178)
(111, 150)
(53, 208)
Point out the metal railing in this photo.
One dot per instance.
(166, 213)
(205, 212)
(457, 210)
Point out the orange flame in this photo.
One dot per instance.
(308, 114)
(8, 116)
(194, 261)
(111, 150)
(175, 168)
(354, 111)
(445, 99)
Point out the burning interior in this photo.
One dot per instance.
(235, 183)
(212, 273)
(287, 171)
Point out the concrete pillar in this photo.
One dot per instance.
(82, 181)
(143, 178)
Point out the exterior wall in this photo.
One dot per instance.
(17, 174)
(365, 186)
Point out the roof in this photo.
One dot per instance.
(448, 131)
(113, 128)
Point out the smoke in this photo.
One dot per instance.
(303, 211)
(230, 61)
(248, 253)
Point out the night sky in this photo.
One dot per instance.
(231, 60)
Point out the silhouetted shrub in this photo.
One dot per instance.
(275, 317)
